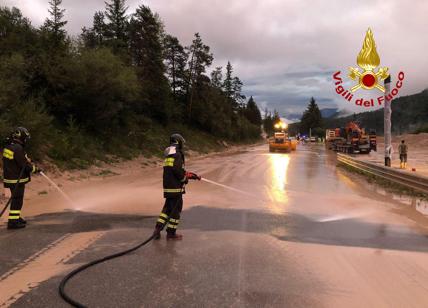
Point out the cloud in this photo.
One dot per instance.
(285, 50)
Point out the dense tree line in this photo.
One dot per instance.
(105, 90)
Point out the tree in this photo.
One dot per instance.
(311, 117)
(16, 33)
(237, 95)
(147, 55)
(252, 112)
(200, 59)
(95, 36)
(217, 77)
(228, 81)
(175, 61)
(97, 103)
(117, 26)
(54, 25)
(232, 87)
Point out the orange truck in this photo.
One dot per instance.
(282, 143)
(351, 139)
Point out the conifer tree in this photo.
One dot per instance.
(217, 77)
(147, 55)
(311, 117)
(175, 60)
(54, 25)
(116, 27)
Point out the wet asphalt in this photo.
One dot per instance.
(306, 234)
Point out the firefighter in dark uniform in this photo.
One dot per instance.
(17, 167)
(175, 177)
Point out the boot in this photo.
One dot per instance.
(15, 224)
(174, 237)
(22, 220)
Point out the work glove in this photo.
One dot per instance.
(192, 176)
(37, 170)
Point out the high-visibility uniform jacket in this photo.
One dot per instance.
(174, 174)
(402, 148)
(16, 160)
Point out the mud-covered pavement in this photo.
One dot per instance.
(306, 234)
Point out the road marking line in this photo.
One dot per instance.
(41, 266)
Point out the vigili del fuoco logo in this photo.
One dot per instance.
(367, 76)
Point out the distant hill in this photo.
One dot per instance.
(409, 114)
(329, 112)
(293, 117)
(325, 113)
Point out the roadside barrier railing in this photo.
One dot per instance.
(414, 181)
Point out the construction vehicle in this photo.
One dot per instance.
(373, 140)
(351, 139)
(281, 141)
(331, 137)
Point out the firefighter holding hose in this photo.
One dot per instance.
(175, 177)
(17, 170)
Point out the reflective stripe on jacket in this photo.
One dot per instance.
(14, 161)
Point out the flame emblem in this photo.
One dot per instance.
(368, 59)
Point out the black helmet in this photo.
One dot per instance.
(177, 139)
(21, 134)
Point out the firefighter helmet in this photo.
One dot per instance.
(21, 134)
(177, 139)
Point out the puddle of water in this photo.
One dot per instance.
(422, 207)
(419, 204)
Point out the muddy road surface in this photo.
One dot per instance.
(304, 234)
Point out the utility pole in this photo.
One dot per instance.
(387, 123)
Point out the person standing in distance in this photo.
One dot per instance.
(402, 150)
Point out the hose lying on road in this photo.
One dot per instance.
(80, 269)
(70, 275)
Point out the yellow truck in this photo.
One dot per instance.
(282, 143)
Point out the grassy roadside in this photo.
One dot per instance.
(81, 152)
(391, 187)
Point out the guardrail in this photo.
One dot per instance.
(416, 182)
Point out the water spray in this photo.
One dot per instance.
(228, 187)
(58, 189)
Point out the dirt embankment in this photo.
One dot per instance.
(417, 152)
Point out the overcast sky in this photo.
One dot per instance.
(285, 51)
